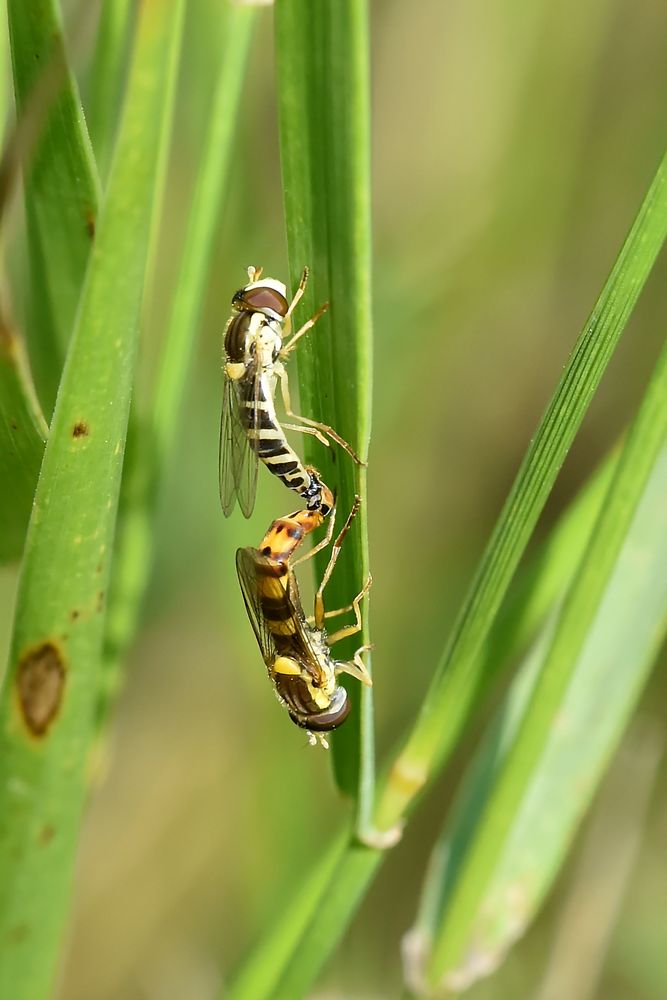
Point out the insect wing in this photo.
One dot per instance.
(238, 463)
(256, 585)
(247, 561)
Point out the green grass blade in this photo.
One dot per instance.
(446, 706)
(106, 77)
(259, 978)
(608, 632)
(332, 912)
(542, 582)
(61, 187)
(50, 690)
(150, 449)
(323, 76)
(22, 435)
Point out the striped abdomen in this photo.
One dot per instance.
(268, 440)
(277, 612)
(299, 678)
(286, 533)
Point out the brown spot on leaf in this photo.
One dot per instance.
(74, 614)
(90, 223)
(14, 425)
(18, 934)
(100, 600)
(40, 681)
(80, 429)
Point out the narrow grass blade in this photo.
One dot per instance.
(23, 432)
(106, 77)
(542, 582)
(323, 77)
(606, 637)
(446, 706)
(150, 448)
(50, 690)
(258, 979)
(60, 184)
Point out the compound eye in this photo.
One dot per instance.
(265, 298)
(324, 722)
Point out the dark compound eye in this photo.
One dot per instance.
(262, 298)
(324, 722)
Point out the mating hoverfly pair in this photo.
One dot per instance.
(296, 649)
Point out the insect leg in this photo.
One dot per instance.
(323, 428)
(287, 349)
(335, 552)
(320, 545)
(357, 667)
(354, 605)
(307, 430)
(342, 633)
(287, 323)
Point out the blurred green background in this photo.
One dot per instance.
(513, 144)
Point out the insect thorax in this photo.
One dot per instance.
(252, 338)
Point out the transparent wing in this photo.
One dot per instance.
(246, 566)
(256, 585)
(238, 463)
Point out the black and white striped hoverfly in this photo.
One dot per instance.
(249, 428)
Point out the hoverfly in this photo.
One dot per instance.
(249, 428)
(295, 649)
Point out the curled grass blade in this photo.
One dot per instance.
(51, 685)
(323, 88)
(61, 186)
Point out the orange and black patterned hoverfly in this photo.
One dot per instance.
(296, 649)
(249, 428)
